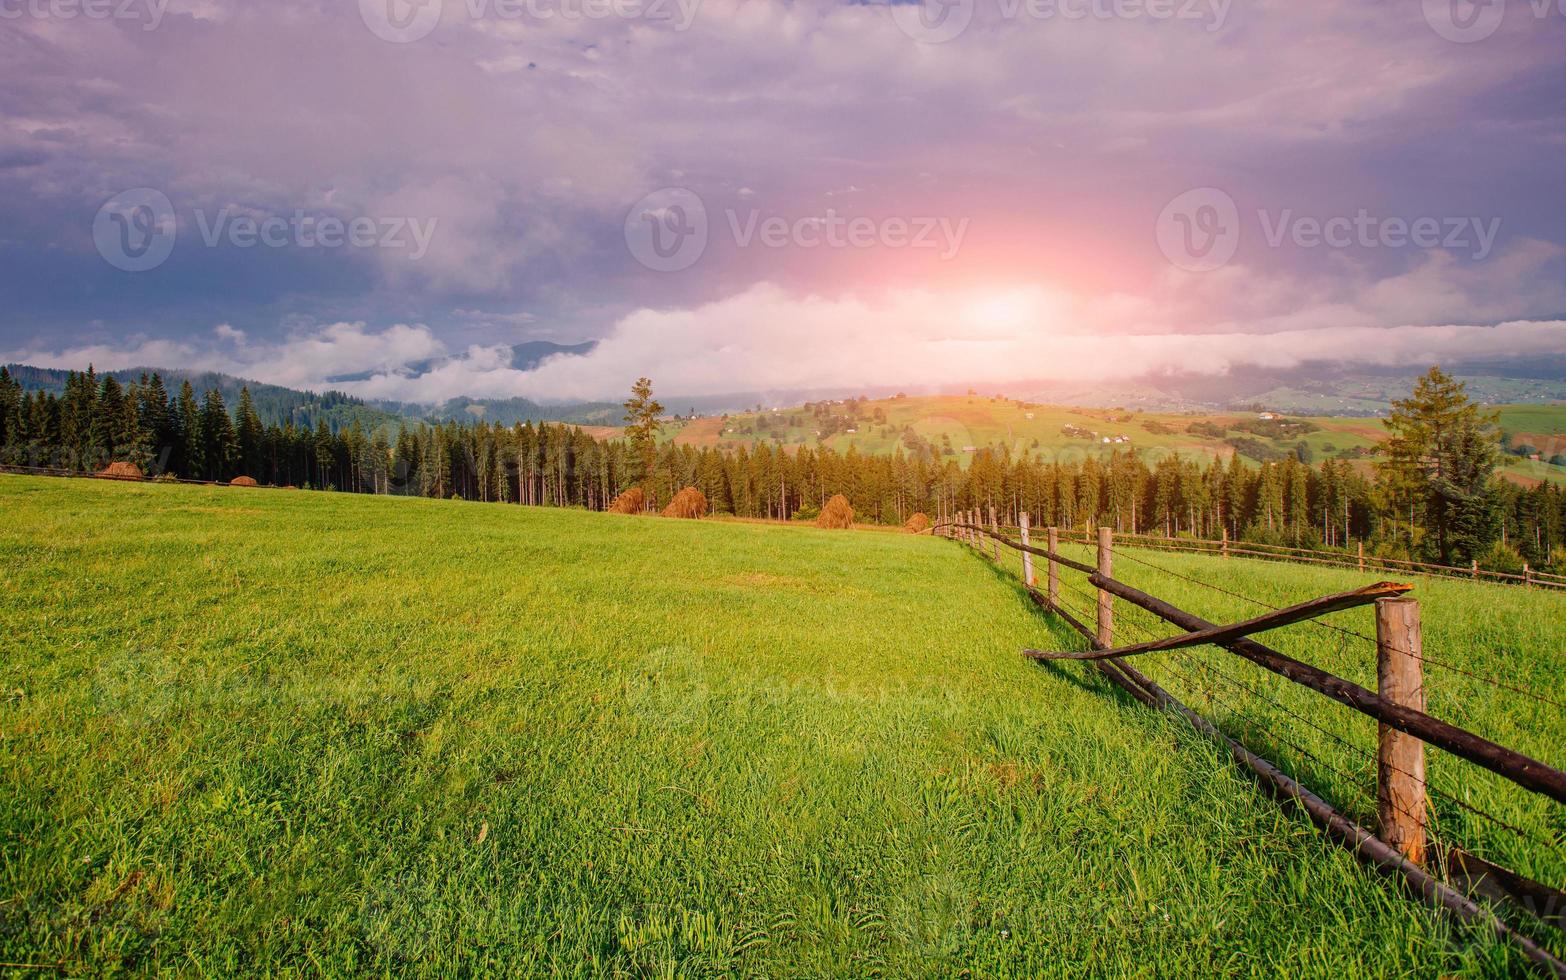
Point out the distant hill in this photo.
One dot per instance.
(955, 426)
(274, 404)
(1314, 389)
(277, 404)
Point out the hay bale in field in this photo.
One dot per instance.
(838, 514)
(121, 471)
(631, 501)
(917, 524)
(243, 481)
(689, 503)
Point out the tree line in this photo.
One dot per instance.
(1435, 497)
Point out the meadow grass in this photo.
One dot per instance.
(302, 733)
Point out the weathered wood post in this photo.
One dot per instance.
(1362, 556)
(1473, 568)
(1027, 559)
(1527, 575)
(1106, 602)
(1224, 549)
(1400, 758)
(994, 541)
(1053, 571)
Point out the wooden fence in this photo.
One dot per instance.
(1357, 560)
(1442, 874)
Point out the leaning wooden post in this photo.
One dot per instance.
(995, 540)
(1106, 602)
(1027, 559)
(1053, 570)
(1400, 758)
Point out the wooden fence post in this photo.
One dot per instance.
(1527, 574)
(1362, 556)
(1106, 602)
(994, 541)
(1225, 547)
(1053, 572)
(1027, 559)
(1400, 758)
(1473, 569)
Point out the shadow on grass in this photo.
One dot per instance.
(1062, 636)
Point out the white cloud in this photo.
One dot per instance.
(767, 337)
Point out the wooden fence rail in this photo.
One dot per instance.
(1359, 561)
(1398, 707)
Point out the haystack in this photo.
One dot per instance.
(917, 524)
(243, 481)
(121, 471)
(837, 514)
(689, 503)
(630, 501)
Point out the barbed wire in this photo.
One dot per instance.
(1144, 632)
(1433, 661)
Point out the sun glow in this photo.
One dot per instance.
(1003, 311)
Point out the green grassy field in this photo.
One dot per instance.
(260, 731)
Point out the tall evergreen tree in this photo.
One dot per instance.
(643, 419)
(248, 433)
(192, 459)
(1442, 455)
(219, 447)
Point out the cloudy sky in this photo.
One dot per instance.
(747, 194)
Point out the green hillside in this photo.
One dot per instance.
(953, 424)
(261, 732)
